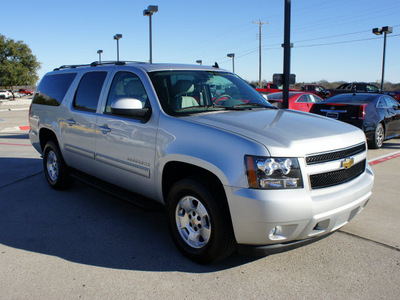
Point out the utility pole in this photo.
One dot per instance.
(260, 24)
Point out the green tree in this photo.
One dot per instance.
(18, 66)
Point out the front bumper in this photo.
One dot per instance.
(277, 218)
(255, 250)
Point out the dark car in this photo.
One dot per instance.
(316, 89)
(377, 114)
(297, 100)
(354, 87)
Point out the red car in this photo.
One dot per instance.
(26, 92)
(297, 100)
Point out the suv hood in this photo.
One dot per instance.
(285, 133)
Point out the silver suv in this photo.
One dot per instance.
(232, 170)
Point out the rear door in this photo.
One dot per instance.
(78, 133)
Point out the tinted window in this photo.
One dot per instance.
(345, 86)
(391, 102)
(382, 102)
(302, 99)
(88, 93)
(126, 85)
(372, 88)
(361, 87)
(316, 98)
(52, 89)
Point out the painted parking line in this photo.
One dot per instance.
(384, 158)
(14, 129)
(10, 144)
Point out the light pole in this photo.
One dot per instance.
(117, 37)
(200, 62)
(151, 9)
(232, 55)
(379, 31)
(99, 52)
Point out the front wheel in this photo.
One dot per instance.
(199, 222)
(55, 168)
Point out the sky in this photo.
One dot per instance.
(332, 40)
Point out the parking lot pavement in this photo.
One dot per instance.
(82, 243)
(382, 214)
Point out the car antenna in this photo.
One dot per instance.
(215, 65)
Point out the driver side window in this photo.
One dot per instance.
(126, 85)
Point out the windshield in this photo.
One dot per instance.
(188, 92)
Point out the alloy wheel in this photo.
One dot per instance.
(193, 222)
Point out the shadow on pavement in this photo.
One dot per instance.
(87, 226)
(393, 145)
(14, 169)
(21, 136)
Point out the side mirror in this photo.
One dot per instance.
(130, 107)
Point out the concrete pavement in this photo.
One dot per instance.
(82, 243)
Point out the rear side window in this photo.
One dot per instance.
(52, 89)
(88, 93)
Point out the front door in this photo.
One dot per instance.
(125, 147)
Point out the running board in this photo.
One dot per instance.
(135, 199)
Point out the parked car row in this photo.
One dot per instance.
(9, 94)
(378, 115)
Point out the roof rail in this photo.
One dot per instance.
(97, 63)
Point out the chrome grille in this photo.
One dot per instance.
(335, 155)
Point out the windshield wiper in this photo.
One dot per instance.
(195, 107)
(235, 107)
(251, 105)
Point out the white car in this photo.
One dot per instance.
(4, 94)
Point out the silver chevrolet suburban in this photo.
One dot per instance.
(232, 170)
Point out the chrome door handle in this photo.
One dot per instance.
(104, 129)
(71, 122)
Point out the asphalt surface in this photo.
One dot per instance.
(85, 244)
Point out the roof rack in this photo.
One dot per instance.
(97, 63)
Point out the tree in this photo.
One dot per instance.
(18, 66)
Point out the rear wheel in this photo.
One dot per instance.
(379, 137)
(55, 169)
(199, 221)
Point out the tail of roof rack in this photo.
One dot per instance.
(97, 63)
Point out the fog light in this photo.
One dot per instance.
(275, 233)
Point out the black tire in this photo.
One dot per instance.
(205, 233)
(379, 137)
(55, 168)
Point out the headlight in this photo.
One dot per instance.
(273, 172)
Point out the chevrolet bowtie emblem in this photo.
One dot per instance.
(347, 163)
